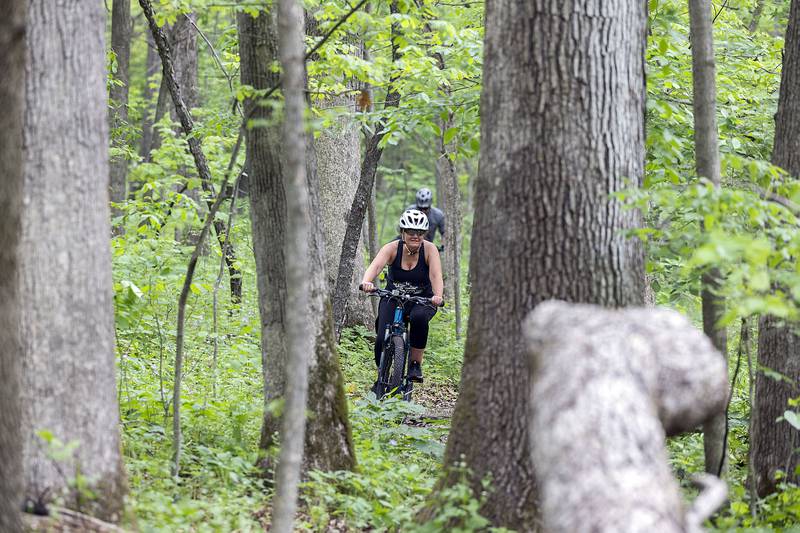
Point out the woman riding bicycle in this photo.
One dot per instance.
(414, 268)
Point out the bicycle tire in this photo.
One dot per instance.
(398, 347)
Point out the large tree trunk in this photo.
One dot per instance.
(338, 152)
(328, 440)
(12, 90)
(707, 163)
(774, 443)
(121, 28)
(69, 389)
(562, 128)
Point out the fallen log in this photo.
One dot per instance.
(608, 386)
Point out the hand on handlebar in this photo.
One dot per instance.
(438, 301)
(367, 287)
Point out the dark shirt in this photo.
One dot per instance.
(416, 281)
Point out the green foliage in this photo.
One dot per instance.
(746, 230)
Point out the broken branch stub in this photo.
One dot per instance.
(608, 386)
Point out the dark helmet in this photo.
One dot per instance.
(424, 198)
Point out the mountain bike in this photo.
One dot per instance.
(394, 362)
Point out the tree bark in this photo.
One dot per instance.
(69, 388)
(773, 444)
(150, 112)
(562, 128)
(121, 29)
(707, 163)
(355, 219)
(338, 152)
(450, 201)
(756, 17)
(299, 327)
(328, 441)
(12, 91)
(183, 43)
(622, 381)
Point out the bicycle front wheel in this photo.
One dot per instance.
(390, 373)
(398, 347)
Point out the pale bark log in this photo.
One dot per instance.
(328, 442)
(121, 29)
(562, 128)
(299, 326)
(69, 385)
(706, 142)
(621, 382)
(774, 444)
(12, 91)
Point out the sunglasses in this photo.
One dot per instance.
(415, 232)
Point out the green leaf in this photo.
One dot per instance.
(793, 418)
(449, 135)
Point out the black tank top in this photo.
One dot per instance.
(416, 281)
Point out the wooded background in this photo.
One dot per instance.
(191, 191)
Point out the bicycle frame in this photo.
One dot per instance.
(398, 327)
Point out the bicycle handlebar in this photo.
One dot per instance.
(397, 295)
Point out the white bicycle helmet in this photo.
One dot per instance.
(414, 219)
(424, 198)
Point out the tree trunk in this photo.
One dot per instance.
(12, 91)
(299, 326)
(152, 65)
(756, 17)
(774, 443)
(450, 201)
(338, 152)
(363, 193)
(372, 236)
(121, 29)
(183, 43)
(707, 163)
(622, 381)
(328, 441)
(563, 127)
(69, 389)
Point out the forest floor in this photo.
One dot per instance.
(399, 446)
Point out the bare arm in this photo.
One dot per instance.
(434, 268)
(383, 258)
